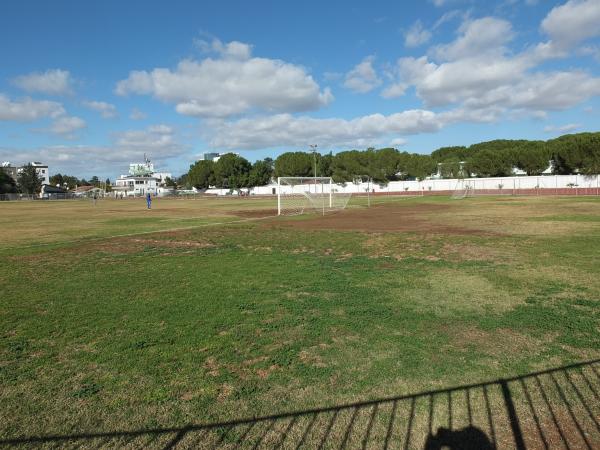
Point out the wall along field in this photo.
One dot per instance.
(116, 318)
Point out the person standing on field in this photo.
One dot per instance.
(149, 200)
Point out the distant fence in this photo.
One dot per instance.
(37, 197)
(556, 408)
(517, 185)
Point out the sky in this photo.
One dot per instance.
(88, 87)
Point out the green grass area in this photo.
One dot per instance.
(253, 318)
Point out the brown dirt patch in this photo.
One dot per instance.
(413, 218)
(255, 213)
(496, 343)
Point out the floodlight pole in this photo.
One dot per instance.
(314, 152)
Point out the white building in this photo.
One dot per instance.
(141, 180)
(136, 186)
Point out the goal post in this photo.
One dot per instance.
(298, 195)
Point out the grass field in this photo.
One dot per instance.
(115, 319)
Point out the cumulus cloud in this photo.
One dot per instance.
(573, 22)
(106, 110)
(289, 130)
(27, 109)
(50, 82)
(159, 142)
(416, 35)
(477, 71)
(233, 83)
(66, 126)
(482, 37)
(362, 78)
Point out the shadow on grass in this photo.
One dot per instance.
(556, 408)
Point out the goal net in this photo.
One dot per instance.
(299, 195)
(462, 190)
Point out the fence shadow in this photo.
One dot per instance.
(555, 408)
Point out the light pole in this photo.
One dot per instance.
(314, 152)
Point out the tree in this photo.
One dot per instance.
(260, 173)
(452, 168)
(107, 185)
(415, 166)
(576, 153)
(294, 164)
(491, 163)
(457, 153)
(347, 165)
(169, 182)
(383, 164)
(201, 174)
(324, 163)
(7, 184)
(29, 181)
(532, 157)
(184, 180)
(232, 171)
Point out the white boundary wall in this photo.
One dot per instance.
(398, 187)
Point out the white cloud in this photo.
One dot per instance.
(416, 35)
(573, 22)
(485, 36)
(27, 109)
(395, 90)
(106, 110)
(477, 71)
(398, 142)
(288, 130)
(159, 142)
(362, 78)
(136, 114)
(562, 129)
(66, 126)
(451, 15)
(231, 84)
(51, 82)
(234, 49)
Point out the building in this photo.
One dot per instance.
(142, 179)
(14, 171)
(135, 186)
(209, 156)
(9, 169)
(214, 156)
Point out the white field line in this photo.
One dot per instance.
(138, 233)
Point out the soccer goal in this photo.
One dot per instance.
(299, 195)
(463, 189)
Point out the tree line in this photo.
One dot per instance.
(568, 154)
(30, 182)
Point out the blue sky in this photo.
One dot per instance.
(89, 87)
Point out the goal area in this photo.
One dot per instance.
(299, 195)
